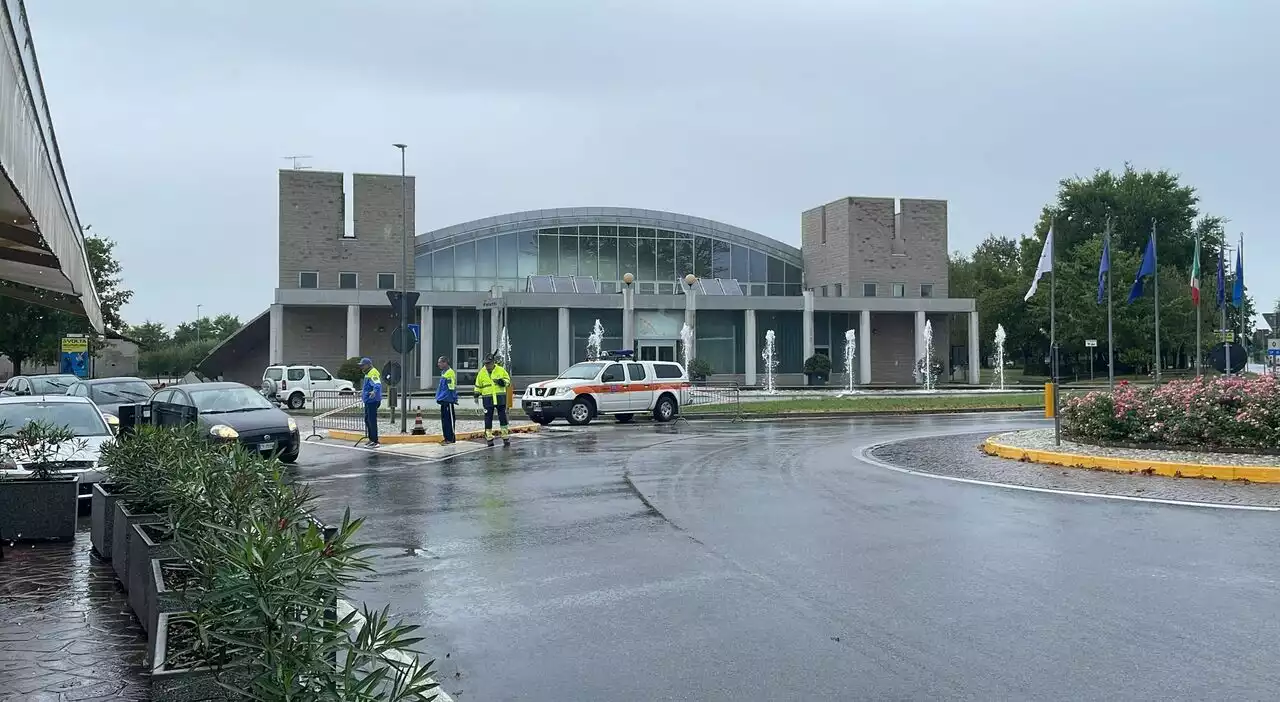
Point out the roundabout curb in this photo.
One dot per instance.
(1253, 474)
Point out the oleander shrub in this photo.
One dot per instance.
(1221, 413)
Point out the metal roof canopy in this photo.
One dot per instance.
(42, 252)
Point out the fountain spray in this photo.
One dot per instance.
(770, 362)
(850, 351)
(999, 364)
(594, 341)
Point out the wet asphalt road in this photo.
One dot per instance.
(766, 561)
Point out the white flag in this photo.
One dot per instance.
(1046, 264)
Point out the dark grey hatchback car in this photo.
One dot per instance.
(229, 412)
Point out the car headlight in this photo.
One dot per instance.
(293, 426)
(223, 431)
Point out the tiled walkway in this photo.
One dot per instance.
(66, 632)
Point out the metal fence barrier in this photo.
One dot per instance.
(336, 410)
(718, 397)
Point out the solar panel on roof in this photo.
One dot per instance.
(563, 284)
(732, 287)
(540, 284)
(585, 283)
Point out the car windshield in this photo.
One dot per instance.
(122, 391)
(52, 385)
(582, 371)
(82, 418)
(224, 400)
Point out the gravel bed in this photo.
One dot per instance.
(962, 457)
(1042, 440)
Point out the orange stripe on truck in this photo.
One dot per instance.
(629, 387)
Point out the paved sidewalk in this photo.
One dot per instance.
(66, 632)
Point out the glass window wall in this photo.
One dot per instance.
(604, 252)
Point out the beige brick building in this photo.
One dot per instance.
(877, 266)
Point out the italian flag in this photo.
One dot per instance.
(1195, 276)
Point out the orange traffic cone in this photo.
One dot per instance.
(418, 429)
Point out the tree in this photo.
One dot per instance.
(205, 328)
(149, 335)
(32, 332)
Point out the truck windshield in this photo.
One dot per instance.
(582, 371)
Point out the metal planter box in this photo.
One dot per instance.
(102, 516)
(142, 549)
(39, 510)
(121, 525)
(170, 684)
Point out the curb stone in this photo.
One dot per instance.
(344, 435)
(1255, 474)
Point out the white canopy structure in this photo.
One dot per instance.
(42, 252)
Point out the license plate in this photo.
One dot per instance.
(267, 446)
(535, 406)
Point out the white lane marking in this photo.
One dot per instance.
(864, 454)
(345, 608)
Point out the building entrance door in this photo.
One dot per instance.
(658, 351)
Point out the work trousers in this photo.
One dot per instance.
(446, 422)
(371, 421)
(492, 403)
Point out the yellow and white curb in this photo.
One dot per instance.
(353, 436)
(1253, 474)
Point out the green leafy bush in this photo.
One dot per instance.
(818, 364)
(1221, 414)
(700, 369)
(350, 371)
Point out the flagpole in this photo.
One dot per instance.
(1199, 297)
(1222, 286)
(1155, 276)
(1111, 344)
(1240, 269)
(1053, 336)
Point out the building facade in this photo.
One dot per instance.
(877, 266)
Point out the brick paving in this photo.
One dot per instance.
(961, 456)
(66, 631)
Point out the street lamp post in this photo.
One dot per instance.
(404, 290)
(198, 323)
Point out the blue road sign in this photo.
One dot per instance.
(417, 332)
(1273, 352)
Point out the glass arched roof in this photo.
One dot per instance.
(622, 216)
(604, 243)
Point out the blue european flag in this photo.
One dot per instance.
(1147, 268)
(1104, 266)
(1237, 287)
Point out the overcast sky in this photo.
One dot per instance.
(173, 116)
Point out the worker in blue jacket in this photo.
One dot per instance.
(371, 393)
(447, 398)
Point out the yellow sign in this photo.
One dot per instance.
(71, 344)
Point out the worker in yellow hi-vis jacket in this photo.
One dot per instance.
(491, 388)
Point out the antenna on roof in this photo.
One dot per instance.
(296, 165)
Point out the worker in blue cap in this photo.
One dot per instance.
(371, 393)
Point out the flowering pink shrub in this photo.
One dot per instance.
(1221, 413)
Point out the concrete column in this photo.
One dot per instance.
(920, 319)
(276, 344)
(426, 354)
(490, 345)
(864, 348)
(566, 339)
(353, 331)
(749, 346)
(691, 318)
(628, 318)
(975, 369)
(808, 324)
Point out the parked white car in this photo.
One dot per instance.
(77, 414)
(621, 387)
(293, 385)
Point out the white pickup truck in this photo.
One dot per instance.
(621, 387)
